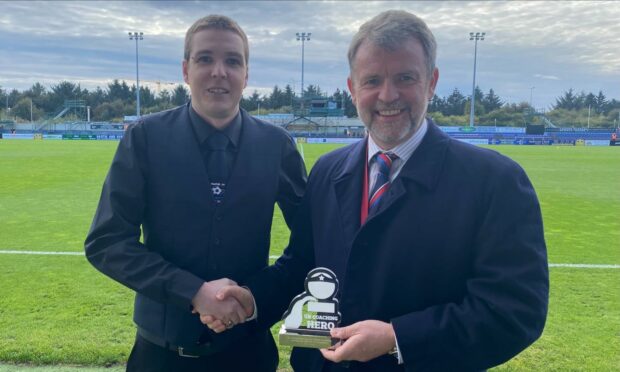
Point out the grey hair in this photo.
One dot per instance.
(390, 29)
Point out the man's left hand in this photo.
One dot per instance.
(361, 341)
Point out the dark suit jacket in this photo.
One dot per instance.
(455, 257)
(158, 181)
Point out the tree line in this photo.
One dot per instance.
(117, 99)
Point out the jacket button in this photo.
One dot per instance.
(216, 241)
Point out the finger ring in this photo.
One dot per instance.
(229, 324)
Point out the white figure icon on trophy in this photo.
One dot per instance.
(321, 286)
(313, 313)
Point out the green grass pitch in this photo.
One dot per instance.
(59, 311)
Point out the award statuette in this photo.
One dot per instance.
(313, 313)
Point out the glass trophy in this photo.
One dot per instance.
(313, 313)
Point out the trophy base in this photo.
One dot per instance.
(313, 340)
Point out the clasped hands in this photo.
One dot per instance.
(218, 310)
(222, 304)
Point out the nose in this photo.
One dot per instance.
(388, 91)
(219, 70)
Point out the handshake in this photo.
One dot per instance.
(222, 304)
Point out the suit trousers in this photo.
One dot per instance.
(148, 357)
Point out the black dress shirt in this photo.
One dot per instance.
(204, 131)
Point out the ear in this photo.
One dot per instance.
(185, 67)
(433, 84)
(351, 90)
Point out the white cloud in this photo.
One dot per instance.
(553, 45)
(546, 77)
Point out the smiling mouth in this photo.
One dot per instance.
(392, 112)
(217, 91)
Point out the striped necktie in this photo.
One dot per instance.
(383, 161)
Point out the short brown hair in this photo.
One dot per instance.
(390, 29)
(217, 22)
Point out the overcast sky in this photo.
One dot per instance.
(549, 45)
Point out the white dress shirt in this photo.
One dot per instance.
(403, 151)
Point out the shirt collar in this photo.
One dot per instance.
(405, 149)
(203, 128)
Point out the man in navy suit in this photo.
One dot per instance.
(199, 182)
(438, 245)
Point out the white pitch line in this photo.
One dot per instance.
(578, 266)
(45, 253)
(585, 266)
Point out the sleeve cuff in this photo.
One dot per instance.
(396, 352)
(255, 314)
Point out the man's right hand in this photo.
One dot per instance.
(227, 293)
(228, 311)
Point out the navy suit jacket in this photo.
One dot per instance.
(158, 183)
(454, 258)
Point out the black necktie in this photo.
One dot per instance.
(217, 164)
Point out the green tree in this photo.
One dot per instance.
(590, 102)
(478, 109)
(180, 96)
(23, 107)
(437, 104)
(344, 102)
(567, 101)
(119, 91)
(276, 98)
(96, 97)
(289, 96)
(147, 98)
(116, 109)
(312, 91)
(601, 102)
(65, 90)
(251, 103)
(491, 101)
(454, 103)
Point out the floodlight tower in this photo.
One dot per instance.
(137, 36)
(303, 37)
(474, 36)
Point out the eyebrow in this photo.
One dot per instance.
(371, 75)
(228, 54)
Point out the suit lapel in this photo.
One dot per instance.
(423, 167)
(348, 189)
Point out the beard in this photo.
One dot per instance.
(393, 133)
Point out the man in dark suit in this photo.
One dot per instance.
(199, 182)
(438, 245)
